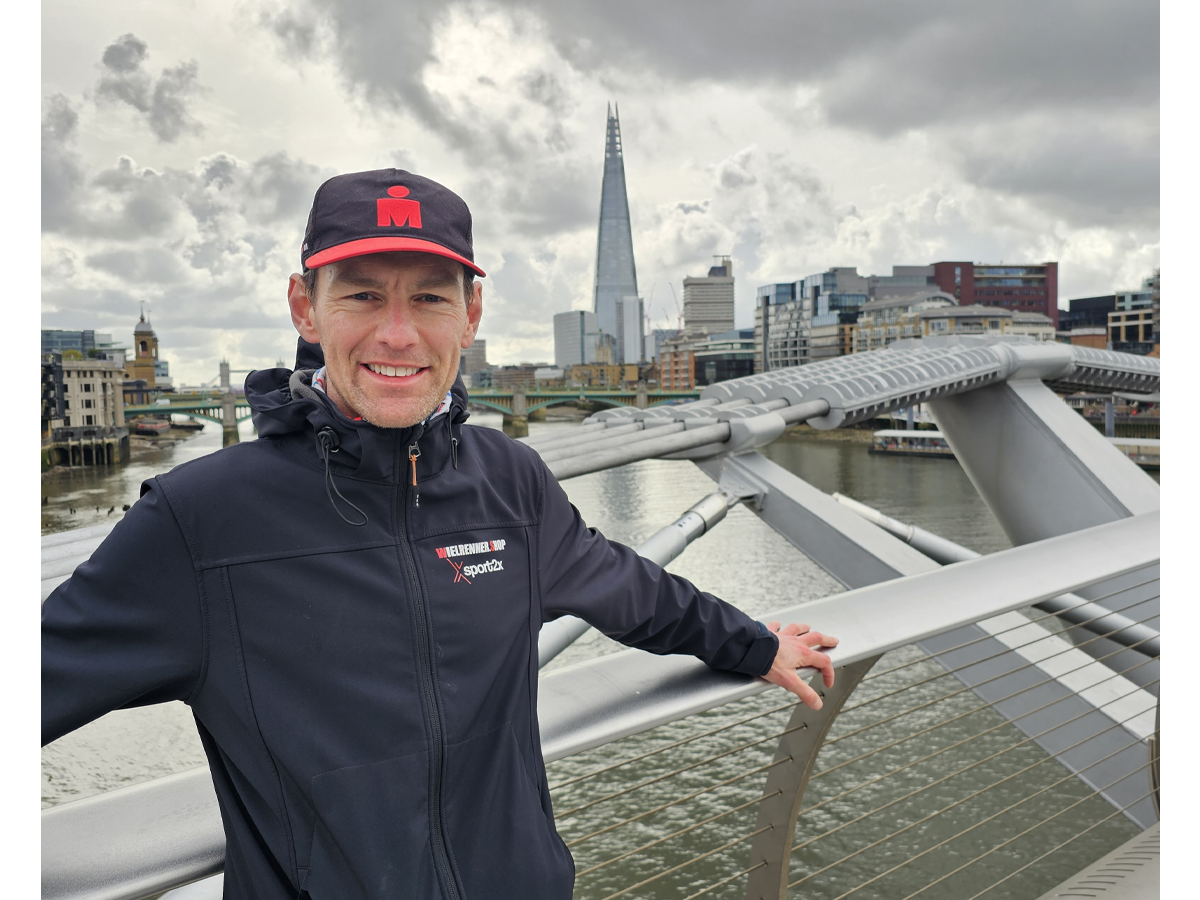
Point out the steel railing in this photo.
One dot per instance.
(670, 779)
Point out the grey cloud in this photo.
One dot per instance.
(1066, 165)
(125, 55)
(62, 169)
(297, 29)
(881, 67)
(150, 265)
(163, 102)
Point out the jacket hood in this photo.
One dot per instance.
(283, 402)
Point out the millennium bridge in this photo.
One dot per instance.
(1050, 649)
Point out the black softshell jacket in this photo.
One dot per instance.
(366, 695)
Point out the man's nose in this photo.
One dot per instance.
(396, 327)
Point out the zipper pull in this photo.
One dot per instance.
(454, 451)
(413, 452)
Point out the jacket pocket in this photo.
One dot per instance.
(371, 835)
(504, 841)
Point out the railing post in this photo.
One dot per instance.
(784, 790)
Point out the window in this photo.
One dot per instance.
(87, 388)
(87, 404)
(88, 420)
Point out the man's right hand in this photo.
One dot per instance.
(795, 651)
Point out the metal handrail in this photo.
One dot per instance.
(133, 842)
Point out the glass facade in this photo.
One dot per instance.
(616, 274)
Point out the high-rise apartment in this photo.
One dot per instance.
(708, 301)
(616, 274)
(575, 337)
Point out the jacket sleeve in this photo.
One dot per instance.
(126, 628)
(635, 601)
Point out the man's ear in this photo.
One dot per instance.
(474, 313)
(302, 310)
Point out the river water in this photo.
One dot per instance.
(742, 561)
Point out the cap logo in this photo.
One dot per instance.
(395, 210)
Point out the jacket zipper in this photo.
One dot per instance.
(425, 673)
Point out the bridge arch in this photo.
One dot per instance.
(496, 407)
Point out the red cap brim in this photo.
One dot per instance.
(367, 246)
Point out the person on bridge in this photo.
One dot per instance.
(351, 604)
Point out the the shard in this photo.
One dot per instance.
(616, 275)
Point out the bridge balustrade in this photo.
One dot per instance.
(944, 762)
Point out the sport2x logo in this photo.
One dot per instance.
(464, 572)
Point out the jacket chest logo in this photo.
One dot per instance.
(466, 571)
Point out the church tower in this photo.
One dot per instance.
(145, 352)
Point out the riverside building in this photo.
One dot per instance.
(1022, 287)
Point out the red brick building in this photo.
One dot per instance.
(1019, 287)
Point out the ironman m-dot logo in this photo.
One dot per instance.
(464, 571)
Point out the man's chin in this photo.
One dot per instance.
(398, 415)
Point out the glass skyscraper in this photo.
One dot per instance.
(616, 275)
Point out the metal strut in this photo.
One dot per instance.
(798, 748)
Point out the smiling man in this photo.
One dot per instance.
(350, 605)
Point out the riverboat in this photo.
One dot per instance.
(152, 427)
(916, 442)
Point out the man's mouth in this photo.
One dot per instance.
(393, 371)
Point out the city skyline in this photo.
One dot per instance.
(791, 148)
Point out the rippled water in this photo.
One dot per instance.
(748, 564)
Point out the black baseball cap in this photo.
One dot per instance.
(384, 210)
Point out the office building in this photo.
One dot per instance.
(89, 344)
(708, 301)
(575, 337)
(654, 341)
(600, 375)
(616, 274)
(473, 360)
(1022, 287)
(884, 321)
(723, 357)
(630, 336)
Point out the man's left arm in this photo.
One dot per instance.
(638, 603)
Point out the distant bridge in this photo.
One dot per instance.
(521, 402)
(207, 405)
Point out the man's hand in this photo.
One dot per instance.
(796, 645)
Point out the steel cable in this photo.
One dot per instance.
(1052, 850)
(1003, 843)
(964, 741)
(1068, 777)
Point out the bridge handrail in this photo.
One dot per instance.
(136, 841)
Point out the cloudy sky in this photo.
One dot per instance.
(182, 142)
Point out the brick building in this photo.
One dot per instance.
(1021, 287)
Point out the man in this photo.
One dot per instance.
(351, 603)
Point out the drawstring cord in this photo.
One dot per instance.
(329, 444)
(453, 439)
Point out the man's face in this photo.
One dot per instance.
(391, 326)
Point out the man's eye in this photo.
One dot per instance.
(362, 295)
(431, 298)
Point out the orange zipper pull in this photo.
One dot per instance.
(413, 453)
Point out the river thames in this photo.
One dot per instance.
(743, 561)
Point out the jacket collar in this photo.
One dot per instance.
(284, 402)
